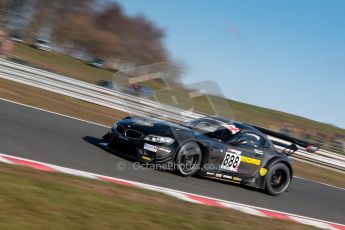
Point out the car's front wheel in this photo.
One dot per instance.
(278, 179)
(188, 159)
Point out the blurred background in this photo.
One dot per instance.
(91, 40)
(84, 29)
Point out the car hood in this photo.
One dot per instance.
(151, 126)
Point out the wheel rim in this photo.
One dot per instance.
(189, 160)
(279, 180)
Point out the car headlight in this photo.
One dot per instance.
(159, 139)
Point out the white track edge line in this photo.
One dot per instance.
(318, 182)
(55, 113)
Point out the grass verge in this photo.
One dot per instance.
(32, 199)
(61, 64)
(58, 103)
(73, 107)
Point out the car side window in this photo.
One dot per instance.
(204, 125)
(250, 140)
(211, 128)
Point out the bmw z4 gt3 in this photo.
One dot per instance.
(211, 147)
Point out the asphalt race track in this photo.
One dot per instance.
(50, 138)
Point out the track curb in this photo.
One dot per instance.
(189, 197)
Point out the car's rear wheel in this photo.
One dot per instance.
(188, 159)
(278, 179)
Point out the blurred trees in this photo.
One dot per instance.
(88, 26)
(138, 39)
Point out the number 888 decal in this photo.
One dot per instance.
(231, 160)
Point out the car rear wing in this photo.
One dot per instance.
(287, 142)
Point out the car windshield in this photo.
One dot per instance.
(211, 128)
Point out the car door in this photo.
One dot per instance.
(243, 156)
(207, 131)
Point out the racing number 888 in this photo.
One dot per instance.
(231, 161)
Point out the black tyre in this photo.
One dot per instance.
(278, 179)
(188, 159)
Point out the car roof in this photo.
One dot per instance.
(240, 125)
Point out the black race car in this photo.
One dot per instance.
(211, 147)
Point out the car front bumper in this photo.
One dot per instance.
(138, 148)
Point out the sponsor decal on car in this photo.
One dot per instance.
(209, 174)
(250, 160)
(146, 158)
(150, 147)
(219, 175)
(227, 177)
(232, 160)
(263, 171)
(236, 179)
